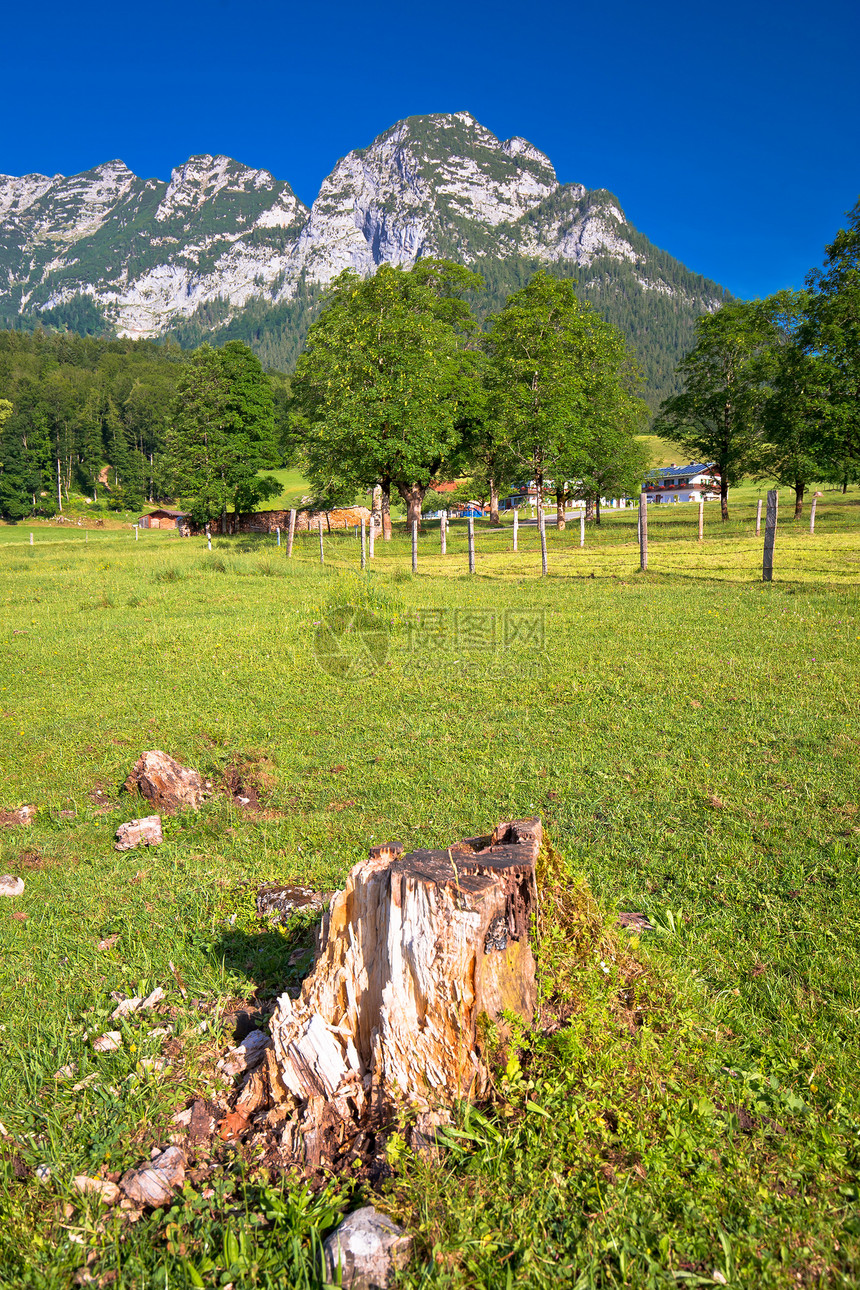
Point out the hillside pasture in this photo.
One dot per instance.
(686, 1111)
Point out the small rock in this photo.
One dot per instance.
(43, 1173)
(11, 886)
(153, 1184)
(126, 1007)
(183, 1118)
(368, 1248)
(144, 832)
(163, 782)
(109, 942)
(283, 900)
(108, 1043)
(100, 1187)
(66, 1073)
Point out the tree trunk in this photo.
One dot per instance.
(385, 502)
(376, 508)
(413, 496)
(799, 490)
(411, 953)
(724, 497)
(494, 504)
(224, 519)
(59, 487)
(560, 522)
(597, 509)
(589, 509)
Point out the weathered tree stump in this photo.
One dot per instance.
(411, 953)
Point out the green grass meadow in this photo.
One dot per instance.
(687, 1110)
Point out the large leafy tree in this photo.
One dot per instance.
(387, 386)
(831, 333)
(793, 413)
(717, 416)
(223, 434)
(556, 372)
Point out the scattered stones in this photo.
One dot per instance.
(108, 1043)
(247, 1055)
(144, 832)
(167, 785)
(10, 885)
(284, 900)
(368, 1248)
(105, 1191)
(154, 1184)
(20, 817)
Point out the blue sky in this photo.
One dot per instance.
(729, 133)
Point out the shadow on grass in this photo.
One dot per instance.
(269, 961)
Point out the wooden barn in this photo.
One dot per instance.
(162, 520)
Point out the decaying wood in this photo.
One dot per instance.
(411, 953)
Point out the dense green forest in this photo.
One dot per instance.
(88, 415)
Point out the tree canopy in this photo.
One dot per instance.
(388, 383)
(222, 434)
(559, 384)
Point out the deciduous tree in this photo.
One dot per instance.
(387, 385)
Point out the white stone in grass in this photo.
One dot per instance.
(367, 1249)
(135, 833)
(43, 1173)
(109, 1042)
(154, 1184)
(100, 1187)
(11, 886)
(126, 1007)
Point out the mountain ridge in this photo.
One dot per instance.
(222, 247)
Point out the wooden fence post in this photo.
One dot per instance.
(278, 533)
(812, 515)
(414, 546)
(371, 536)
(769, 534)
(542, 531)
(443, 533)
(516, 526)
(291, 532)
(582, 528)
(758, 518)
(31, 539)
(643, 531)
(471, 524)
(322, 556)
(363, 548)
(701, 520)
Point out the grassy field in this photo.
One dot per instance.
(687, 1110)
